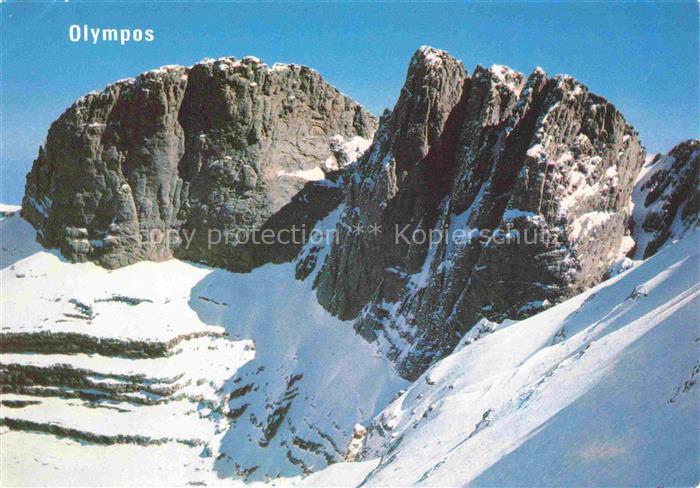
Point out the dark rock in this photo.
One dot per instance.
(667, 198)
(524, 185)
(128, 172)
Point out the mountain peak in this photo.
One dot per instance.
(428, 59)
(178, 148)
(488, 155)
(430, 55)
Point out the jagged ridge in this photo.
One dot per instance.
(540, 157)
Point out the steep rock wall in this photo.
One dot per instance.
(523, 183)
(131, 172)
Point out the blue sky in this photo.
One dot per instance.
(641, 56)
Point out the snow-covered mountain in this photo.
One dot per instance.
(599, 390)
(666, 199)
(232, 375)
(174, 373)
(228, 146)
(548, 336)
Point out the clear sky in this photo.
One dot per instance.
(641, 56)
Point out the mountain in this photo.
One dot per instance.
(600, 390)
(128, 173)
(526, 182)
(491, 287)
(188, 375)
(228, 375)
(666, 197)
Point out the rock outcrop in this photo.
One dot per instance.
(483, 196)
(666, 198)
(149, 166)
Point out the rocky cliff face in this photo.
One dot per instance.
(483, 196)
(153, 163)
(666, 198)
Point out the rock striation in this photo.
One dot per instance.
(521, 184)
(128, 172)
(666, 198)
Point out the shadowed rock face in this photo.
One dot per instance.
(540, 164)
(127, 172)
(667, 198)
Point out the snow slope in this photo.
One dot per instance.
(111, 377)
(599, 391)
(173, 373)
